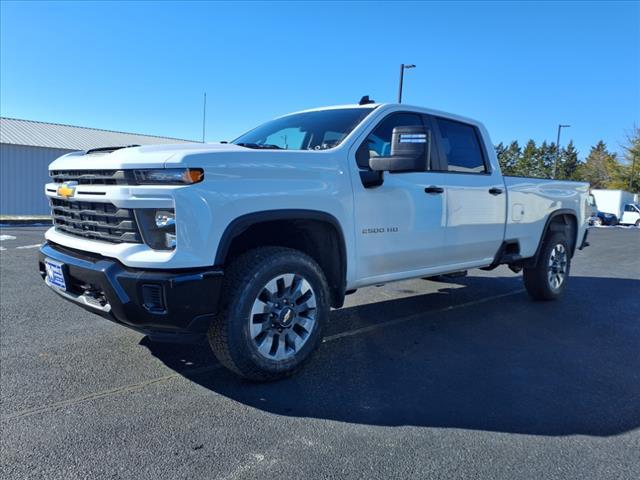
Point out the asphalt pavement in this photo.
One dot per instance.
(455, 378)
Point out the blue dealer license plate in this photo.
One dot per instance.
(55, 275)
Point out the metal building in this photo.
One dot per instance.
(28, 147)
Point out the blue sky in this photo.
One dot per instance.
(521, 68)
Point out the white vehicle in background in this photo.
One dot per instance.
(251, 243)
(612, 202)
(631, 215)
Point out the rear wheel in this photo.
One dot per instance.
(547, 279)
(597, 222)
(276, 302)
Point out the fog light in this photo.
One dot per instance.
(165, 218)
(158, 227)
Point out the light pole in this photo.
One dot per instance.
(403, 67)
(555, 163)
(633, 170)
(204, 114)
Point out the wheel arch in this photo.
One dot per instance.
(563, 220)
(316, 233)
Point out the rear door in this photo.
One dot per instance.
(476, 194)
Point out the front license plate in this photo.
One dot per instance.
(55, 276)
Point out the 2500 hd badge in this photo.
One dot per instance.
(367, 231)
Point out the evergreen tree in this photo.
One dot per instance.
(568, 163)
(601, 167)
(508, 157)
(544, 160)
(526, 163)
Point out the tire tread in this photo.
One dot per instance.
(239, 272)
(535, 278)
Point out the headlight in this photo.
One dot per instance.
(169, 176)
(158, 227)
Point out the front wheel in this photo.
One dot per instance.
(548, 278)
(276, 302)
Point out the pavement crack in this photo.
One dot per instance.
(104, 393)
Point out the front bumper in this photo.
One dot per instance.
(166, 305)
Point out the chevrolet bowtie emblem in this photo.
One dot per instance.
(67, 189)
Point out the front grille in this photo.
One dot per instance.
(95, 220)
(94, 177)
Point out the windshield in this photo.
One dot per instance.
(318, 130)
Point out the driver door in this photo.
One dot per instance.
(399, 227)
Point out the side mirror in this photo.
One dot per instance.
(410, 151)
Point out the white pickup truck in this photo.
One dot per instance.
(252, 242)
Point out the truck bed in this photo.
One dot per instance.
(530, 201)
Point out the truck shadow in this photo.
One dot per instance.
(507, 365)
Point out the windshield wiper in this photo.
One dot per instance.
(264, 146)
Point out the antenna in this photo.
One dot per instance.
(204, 114)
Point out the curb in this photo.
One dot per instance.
(9, 220)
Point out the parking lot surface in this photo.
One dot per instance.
(456, 378)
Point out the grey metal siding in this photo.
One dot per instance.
(23, 174)
(53, 135)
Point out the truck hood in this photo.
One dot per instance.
(148, 156)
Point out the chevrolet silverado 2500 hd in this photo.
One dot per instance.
(252, 242)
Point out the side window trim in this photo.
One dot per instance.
(483, 151)
(444, 163)
(438, 158)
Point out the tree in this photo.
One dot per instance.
(544, 160)
(526, 164)
(568, 163)
(630, 171)
(508, 157)
(601, 167)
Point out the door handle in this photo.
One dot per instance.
(433, 189)
(495, 191)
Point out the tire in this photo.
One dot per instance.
(548, 278)
(637, 224)
(597, 222)
(275, 303)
